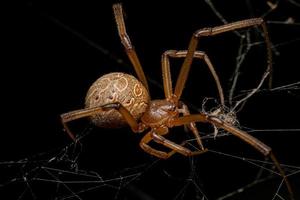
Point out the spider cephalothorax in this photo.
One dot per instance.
(116, 99)
(159, 113)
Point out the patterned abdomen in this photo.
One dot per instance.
(117, 87)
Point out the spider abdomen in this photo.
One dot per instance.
(117, 87)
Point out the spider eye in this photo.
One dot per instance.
(173, 107)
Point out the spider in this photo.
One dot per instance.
(118, 99)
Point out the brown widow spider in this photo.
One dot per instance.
(117, 99)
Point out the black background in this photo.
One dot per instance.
(49, 69)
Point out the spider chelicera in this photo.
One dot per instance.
(117, 99)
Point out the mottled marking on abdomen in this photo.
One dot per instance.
(117, 87)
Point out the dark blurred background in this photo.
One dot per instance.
(56, 49)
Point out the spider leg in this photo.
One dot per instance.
(86, 112)
(130, 51)
(158, 138)
(211, 31)
(254, 142)
(192, 126)
(182, 54)
(144, 145)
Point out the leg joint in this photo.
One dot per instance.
(111, 106)
(202, 32)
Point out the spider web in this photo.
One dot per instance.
(111, 165)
